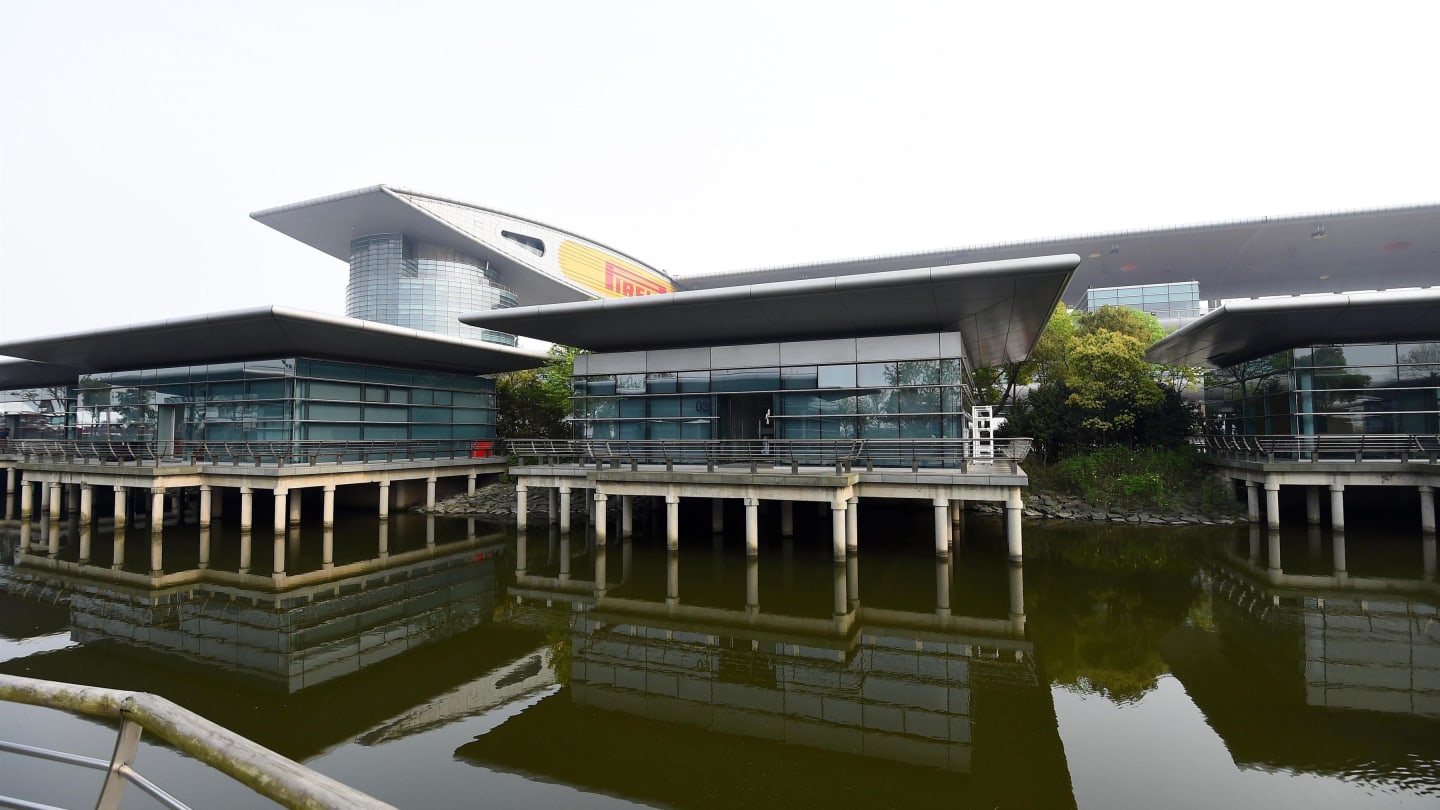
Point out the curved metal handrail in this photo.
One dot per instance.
(1407, 447)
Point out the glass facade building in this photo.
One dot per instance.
(1367, 388)
(404, 282)
(262, 400)
(1178, 300)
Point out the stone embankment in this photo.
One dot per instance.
(495, 500)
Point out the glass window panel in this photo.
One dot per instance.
(336, 371)
(394, 376)
(694, 382)
(880, 427)
(430, 415)
(665, 430)
(837, 428)
(1417, 353)
(422, 396)
(697, 407)
(400, 395)
(329, 390)
(837, 403)
(799, 404)
(661, 382)
(665, 407)
(631, 430)
(745, 379)
(836, 376)
(919, 400)
(920, 427)
(430, 431)
(632, 408)
(386, 432)
(331, 431)
(919, 372)
(951, 372)
(874, 375)
(799, 377)
(374, 393)
(443, 398)
(601, 384)
(469, 399)
(695, 429)
(386, 413)
(332, 411)
(630, 383)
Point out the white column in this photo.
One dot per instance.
(601, 530)
(717, 515)
(1252, 501)
(281, 496)
(204, 546)
(384, 508)
(1337, 507)
(430, 492)
(837, 530)
(206, 513)
(54, 504)
(672, 522)
(157, 510)
(121, 507)
(247, 508)
(1312, 506)
(47, 488)
(1427, 509)
(1272, 504)
(550, 516)
(942, 525)
(1012, 523)
(564, 509)
(787, 519)
(852, 525)
(87, 505)
(27, 501)
(752, 525)
(327, 515)
(10, 476)
(470, 484)
(627, 515)
(522, 507)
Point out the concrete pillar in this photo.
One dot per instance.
(294, 500)
(717, 515)
(672, 578)
(204, 546)
(327, 547)
(327, 513)
(564, 509)
(470, 484)
(941, 507)
(384, 508)
(430, 492)
(590, 510)
(627, 515)
(84, 542)
(1252, 501)
(10, 476)
(247, 508)
(87, 504)
(837, 529)
(752, 585)
(53, 508)
(1427, 509)
(122, 503)
(1312, 506)
(1337, 507)
(206, 502)
(281, 498)
(157, 511)
(752, 526)
(852, 525)
(787, 519)
(602, 531)
(672, 522)
(522, 507)
(27, 501)
(942, 585)
(1012, 524)
(1337, 541)
(1272, 504)
(550, 508)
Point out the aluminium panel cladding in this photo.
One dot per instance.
(762, 355)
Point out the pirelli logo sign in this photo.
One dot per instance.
(606, 275)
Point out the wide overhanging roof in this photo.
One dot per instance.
(16, 374)
(265, 333)
(1292, 255)
(1244, 330)
(998, 307)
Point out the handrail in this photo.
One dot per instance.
(844, 454)
(1406, 447)
(235, 453)
(271, 775)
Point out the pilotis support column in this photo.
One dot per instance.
(1427, 509)
(122, 506)
(27, 501)
(837, 531)
(522, 507)
(1272, 504)
(564, 509)
(384, 508)
(550, 516)
(430, 493)
(1337, 507)
(281, 498)
(157, 510)
(627, 515)
(752, 526)
(206, 513)
(1252, 501)
(10, 476)
(1012, 523)
(327, 514)
(55, 499)
(470, 484)
(247, 509)
(87, 505)
(942, 525)
(672, 522)
(602, 531)
(852, 525)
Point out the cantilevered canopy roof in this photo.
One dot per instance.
(15, 374)
(262, 333)
(998, 307)
(1244, 330)
(1293, 255)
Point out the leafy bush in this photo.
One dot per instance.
(1130, 478)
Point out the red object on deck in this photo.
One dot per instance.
(482, 449)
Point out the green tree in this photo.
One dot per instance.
(534, 403)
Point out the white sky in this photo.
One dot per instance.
(136, 137)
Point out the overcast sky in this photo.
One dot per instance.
(136, 137)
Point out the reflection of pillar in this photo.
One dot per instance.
(25, 537)
(787, 519)
(327, 547)
(281, 495)
(53, 539)
(204, 546)
(84, 542)
(294, 499)
(1273, 557)
(837, 528)
(87, 504)
(1337, 540)
(752, 584)
(1012, 523)
(627, 515)
(1337, 507)
(602, 531)
(600, 571)
(1272, 504)
(206, 511)
(522, 507)
(384, 544)
(430, 493)
(245, 551)
(278, 548)
(852, 525)
(1312, 506)
(383, 508)
(327, 514)
(552, 550)
(839, 603)
(717, 515)
(942, 585)
(550, 510)
(1427, 553)
(157, 510)
(672, 522)
(520, 554)
(247, 508)
(157, 562)
(1252, 501)
(626, 548)
(672, 578)
(117, 552)
(564, 556)
(852, 579)
(1427, 509)
(53, 506)
(752, 526)
(1312, 535)
(122, 506)
(564, 508)
(429, 531)
(941, 508)
(1254, 545)
(10, 476)
(1017, 597)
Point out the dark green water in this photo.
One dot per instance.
(1117, 667)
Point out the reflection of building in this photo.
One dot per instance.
(1177, 301)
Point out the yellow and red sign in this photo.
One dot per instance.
(608, 276)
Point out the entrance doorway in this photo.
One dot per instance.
(746, 416)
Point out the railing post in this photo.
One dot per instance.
(126, 744)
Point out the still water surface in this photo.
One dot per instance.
(1117, 667)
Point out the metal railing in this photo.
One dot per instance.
(1324, 448)
(842, 454)
(267, 773)
(237, 453)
